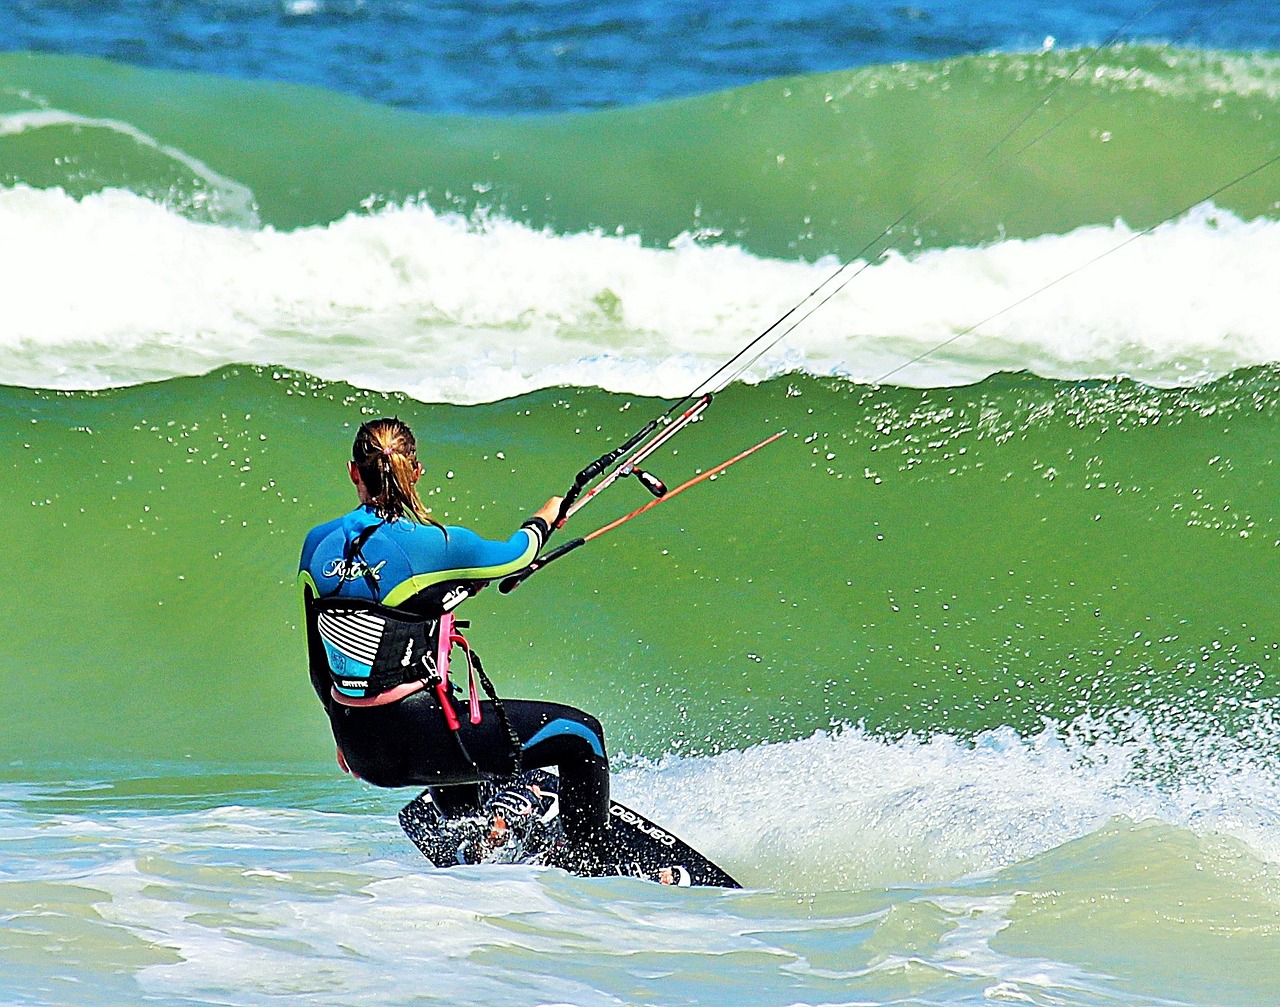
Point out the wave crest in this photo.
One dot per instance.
(112, 289)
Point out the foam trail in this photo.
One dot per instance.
(113, 289)
(848, 809)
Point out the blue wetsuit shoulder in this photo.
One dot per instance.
(398, 559)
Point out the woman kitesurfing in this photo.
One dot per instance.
(379, 586)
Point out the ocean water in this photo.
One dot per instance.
(549, 56)
(970, 678)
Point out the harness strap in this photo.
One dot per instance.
(449, 636)
(443, 647)
(473, 698)
(355, 550)
(446, 704)
(517, 749)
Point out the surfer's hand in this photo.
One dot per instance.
(549, 511)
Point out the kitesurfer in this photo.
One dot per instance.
(379, 584)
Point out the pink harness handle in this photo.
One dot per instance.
(473, 696)
(442, 671)
(449, 638)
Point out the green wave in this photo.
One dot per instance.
(936, 560)
(802, 166)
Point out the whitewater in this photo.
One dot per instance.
(113, 289)
(854, 896)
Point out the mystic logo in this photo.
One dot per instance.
(640, 825)
(355, 569)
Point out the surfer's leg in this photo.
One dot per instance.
(573, 741)
(457, 802)
(407, 744)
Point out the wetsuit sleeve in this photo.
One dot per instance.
(471, 557)
(540, 528)
(466, 556)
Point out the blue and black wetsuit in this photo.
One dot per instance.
(413, 568)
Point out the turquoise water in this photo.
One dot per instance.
(969, 678)
(539, 57)
(938, 560)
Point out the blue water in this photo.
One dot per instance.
(532, 56)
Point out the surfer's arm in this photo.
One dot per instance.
(461, 555)
(548, 513)
(477, 558)
(499, 556)
(317, 662)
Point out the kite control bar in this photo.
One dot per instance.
(516, 579)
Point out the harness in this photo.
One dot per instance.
(372, 648)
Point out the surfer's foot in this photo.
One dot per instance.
(512, 816)
(490, 840)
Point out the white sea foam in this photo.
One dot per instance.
(113, 289)
(873, 862)
(849, 809)
(1161, 69)
(1175, 72)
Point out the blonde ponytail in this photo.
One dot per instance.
(386, 456)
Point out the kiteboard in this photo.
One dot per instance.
(519, 823)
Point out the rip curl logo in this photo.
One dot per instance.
(355, 569)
